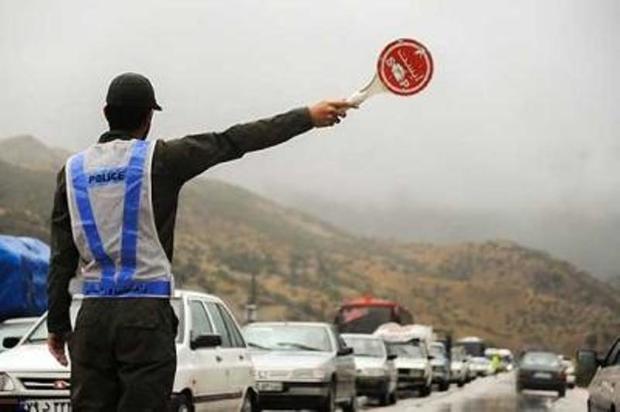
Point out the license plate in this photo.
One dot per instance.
(542, 375)
(45, 405)
(270, 386)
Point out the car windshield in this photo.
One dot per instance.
(288, 337)
(540, 359)
(39, 334)
(437, 351)
(373, 348)
(14, 330)
(406, 350)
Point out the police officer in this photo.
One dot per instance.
(113, 224)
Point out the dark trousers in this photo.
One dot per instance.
(123, 355)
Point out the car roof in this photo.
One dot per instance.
(322, 324)
(469, 339)
(178, 294)
(360, 336)
(15, 321)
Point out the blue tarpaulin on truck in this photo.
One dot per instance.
(24, 265)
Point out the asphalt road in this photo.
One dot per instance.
(492, 394)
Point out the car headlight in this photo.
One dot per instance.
(309, 374)
(6, 383)
(261, 375)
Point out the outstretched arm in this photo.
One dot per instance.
(193, 154)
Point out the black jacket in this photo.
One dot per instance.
(174, 163)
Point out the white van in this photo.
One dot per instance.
(214, 368)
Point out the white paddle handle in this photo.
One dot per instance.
(375, 86)
(358, 97)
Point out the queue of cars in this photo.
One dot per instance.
(265, 365)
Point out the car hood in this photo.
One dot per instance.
(365, 362)
(290, 359)
(30, 358)
(410, 363)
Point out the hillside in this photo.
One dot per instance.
(500, 290)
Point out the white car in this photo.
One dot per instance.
(214, 368)
(376, 372)
(481, 366)
(441, 365)
(12, 331)
(569, 370)
(603, 376)
(459, 366)
(413, 366)
(302, 365)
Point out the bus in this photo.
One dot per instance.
(473, 345)
(366, 314)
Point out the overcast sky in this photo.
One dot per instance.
(520, 117)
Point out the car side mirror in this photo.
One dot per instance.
(587, 364)
(10, 342)
(345, 351)
(431, 357)
(392, 356)
(205, 341)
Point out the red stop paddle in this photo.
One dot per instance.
(405, 67)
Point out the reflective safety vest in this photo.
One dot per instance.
(109, 193)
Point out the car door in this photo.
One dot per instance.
(242, 374)
(208, 371)
(602, 388)
(232, 356)
(612, 376)
(345, 368)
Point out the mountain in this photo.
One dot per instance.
(30, 153)
(585, 234)
(512, 295)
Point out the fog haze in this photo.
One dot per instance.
(516, 136)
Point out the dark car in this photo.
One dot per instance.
(543, 371)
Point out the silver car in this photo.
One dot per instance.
(441, 365)
(459, 366)
(302, 365)
(603, 376)
(413, 365)
(376, 373)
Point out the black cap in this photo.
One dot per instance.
(132, 89)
